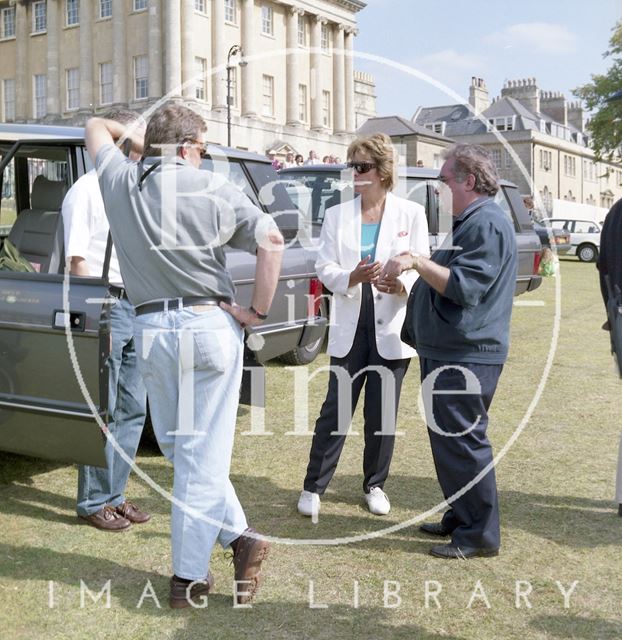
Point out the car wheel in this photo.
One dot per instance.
(308, 353)
(587, 253)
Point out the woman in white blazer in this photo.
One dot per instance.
(357, 239)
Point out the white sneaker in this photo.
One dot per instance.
(378, 502)
(309, 503)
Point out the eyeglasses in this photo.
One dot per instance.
(202, 147)
(444, 179)
(361, 167)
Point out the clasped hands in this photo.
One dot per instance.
(383, 277)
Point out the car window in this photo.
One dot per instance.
(313, 193)
(33, 186)
(502, 200)
(234, 173)
(416, 191)
(8, 208)
(584, 226)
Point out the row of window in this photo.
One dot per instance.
(141, 90)
(72, 84)
(72, 17)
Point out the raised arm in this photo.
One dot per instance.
(100, 132)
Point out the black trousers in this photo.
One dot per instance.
(378, 412)
(473, 518)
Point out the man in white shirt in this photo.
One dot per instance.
(101, 501)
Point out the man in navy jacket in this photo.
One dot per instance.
(459, 322)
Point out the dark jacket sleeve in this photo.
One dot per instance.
(478, 264)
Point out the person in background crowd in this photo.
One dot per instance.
(299, 160)
(459, 321)
(276, 163)
(357, 237)
(326, 160)
(101, 491)
(289, 161)
(312, 159)
(419, 163)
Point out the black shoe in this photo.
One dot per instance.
(462, 553)
(434, 529)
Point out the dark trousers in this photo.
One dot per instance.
(473, 518)
(326, 446)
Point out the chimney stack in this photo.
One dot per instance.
(554, 104)
(478, 95)
(525, 91)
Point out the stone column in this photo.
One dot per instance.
(219, 56)
(86, 55)
(120, 80)
(315, 85)
(339, 98)
(22, 80)
(155, 50)
(292, 61)
(53, 76)
(172, 47)
(249, 106)
(188, 70)
(349, 80)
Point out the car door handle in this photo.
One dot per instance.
(75, 320)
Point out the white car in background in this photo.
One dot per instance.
(584, 236)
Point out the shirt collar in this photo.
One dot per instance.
(476, 204)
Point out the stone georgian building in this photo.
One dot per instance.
(63, 60)
(543, 129)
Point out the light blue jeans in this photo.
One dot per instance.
(192, 368)
(98, 487)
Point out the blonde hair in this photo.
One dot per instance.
(381, 152)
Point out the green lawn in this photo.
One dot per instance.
(556, 485)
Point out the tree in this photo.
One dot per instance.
(606, 123)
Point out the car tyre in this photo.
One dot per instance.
(587, 253)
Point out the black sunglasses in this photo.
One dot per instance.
(361, 167)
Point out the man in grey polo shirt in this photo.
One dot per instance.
(169, 223)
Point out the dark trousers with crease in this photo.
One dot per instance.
(327, 445)
(473, 518)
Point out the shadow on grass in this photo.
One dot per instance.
(17, 468)
(580, 627)
(567, 520)
(127, 585)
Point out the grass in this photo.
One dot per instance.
(558, 518)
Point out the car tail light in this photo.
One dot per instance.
(536, 262)
(315, 297)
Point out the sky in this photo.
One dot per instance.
(560, 43)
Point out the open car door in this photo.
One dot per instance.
(54, 329)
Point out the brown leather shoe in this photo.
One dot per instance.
(181, 597)
(107, 519)
(130, 511)
(249, 551)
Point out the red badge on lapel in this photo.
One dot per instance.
(402, 234)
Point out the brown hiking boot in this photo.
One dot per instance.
(249, 551)
(181, 597)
